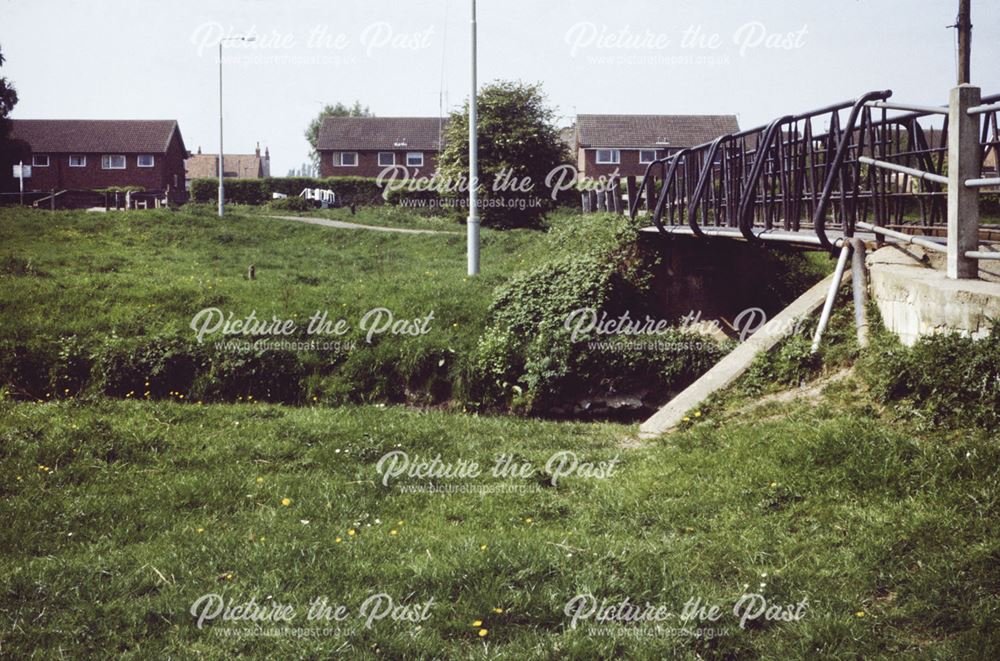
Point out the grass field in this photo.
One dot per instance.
(870, 533)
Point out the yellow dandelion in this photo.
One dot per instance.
(774, 484)
(229, 576)
(498, 610)
(528, 520)
(352, 532)
(393, 532)
(259, 480)
(687, 419)
(483, 633)
(483, 547)
(477, 623)
(262, 538)
(338, 540)
(286, 501)
(697, 414)
(200, 530)
(399, 523)
(859, 614)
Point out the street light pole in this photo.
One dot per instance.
(222, 194)
(473, 222)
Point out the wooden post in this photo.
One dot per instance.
(964, 26)
(963, 164)
(52, 200)
(650, 194)
(585, 202)
(616, 196)
(602, 200)
(592, 194)
(633, 194)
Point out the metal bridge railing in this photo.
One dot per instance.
(868, 164)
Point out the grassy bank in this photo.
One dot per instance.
(119, 515)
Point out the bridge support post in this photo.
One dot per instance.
(963, 164)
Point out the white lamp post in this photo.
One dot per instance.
(473, 222)
(222, 200)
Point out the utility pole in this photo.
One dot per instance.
(473, 222)
(964, 26)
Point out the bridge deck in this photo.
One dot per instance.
(805, 238)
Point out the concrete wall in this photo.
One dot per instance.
(915, 297)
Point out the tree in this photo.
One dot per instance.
(10, 151)
(336, 110)
(518, 142)
(8, 99)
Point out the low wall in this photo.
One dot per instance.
(915, 297)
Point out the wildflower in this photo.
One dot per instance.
(229, 576)
(687, 419)
(286, 501)
(498, 610)
(304, 522)
(483, 547)
(697, 414)
(399, 523)
(352, 532)
(774, 484)
(259, 480)
(483, 633)
(393, 532)
(477, 623)
(338, 540)
(859, 614)
(200, 530)
(528, 520)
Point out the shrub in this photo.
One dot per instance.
(292, 204)
(360, 190)
(947, 379)
(159, 365)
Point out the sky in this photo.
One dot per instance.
(757, 59)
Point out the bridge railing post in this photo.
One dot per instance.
(963, 164)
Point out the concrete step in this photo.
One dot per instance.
(730, 368)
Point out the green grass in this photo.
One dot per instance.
(149, 272)
(101, 553)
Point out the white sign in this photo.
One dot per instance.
(22, 171)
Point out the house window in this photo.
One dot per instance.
(145, 161)
(415, 159)
(345, 159)
(40, 160)
(647, 156)
(77, 161)
(386, 158)
(608, 156)
(112, 162)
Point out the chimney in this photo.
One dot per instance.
(199, 149)
(257, 152)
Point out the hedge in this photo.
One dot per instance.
(361, 190)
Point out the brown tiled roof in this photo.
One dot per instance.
(127, 136)
(206, 166)
(640, 131)
(387, 133)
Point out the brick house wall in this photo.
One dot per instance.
(629, 165)
(368, 163)
(167, 170)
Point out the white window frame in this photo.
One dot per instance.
(414, 154)
(81, 160)
(390, 154)
(35, 160)
(615, 157)
(106, 163)
(643, 161)
(152, 161)
(338, 159)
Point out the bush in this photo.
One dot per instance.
(292, 204)
(360, 190)
(529, 360)
(947, 380)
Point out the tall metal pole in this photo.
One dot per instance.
(222, 200)
(473, 222)
(964, 26)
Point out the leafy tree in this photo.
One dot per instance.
(8, 99)
(518, 139)
(336, 110)
(10, 152)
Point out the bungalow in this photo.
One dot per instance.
(234, 166)
(365, 146)
(88, 154)
(628, 143)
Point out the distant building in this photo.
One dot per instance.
(234, 166)
(89, 154)
(365, 146)
(628, 143)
